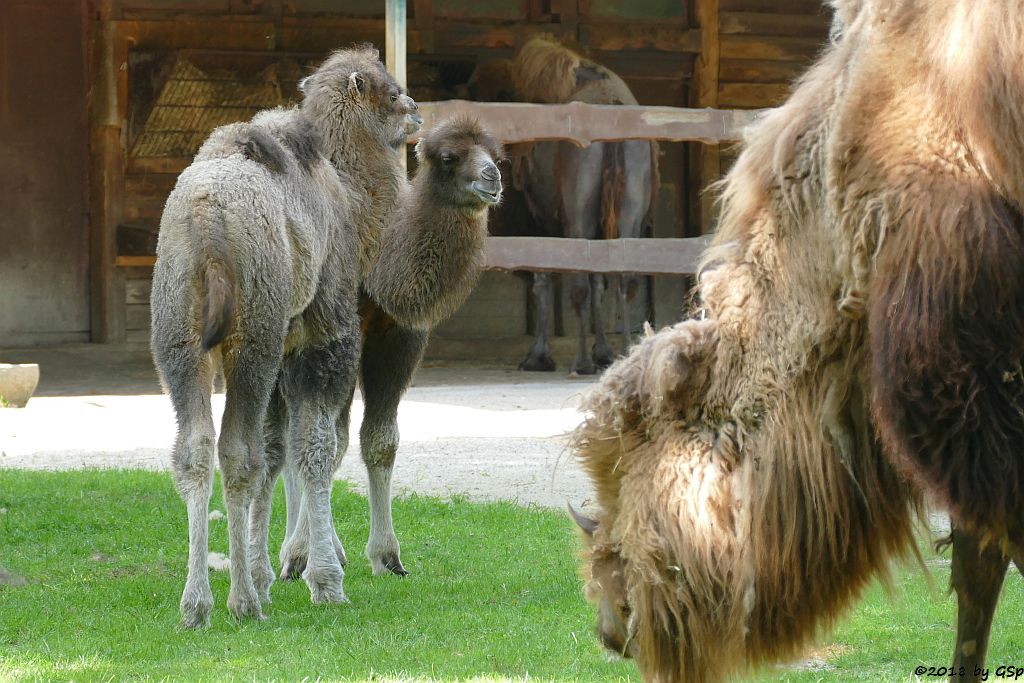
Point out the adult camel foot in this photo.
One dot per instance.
(583, 366)
(603, 354)
(540, 362)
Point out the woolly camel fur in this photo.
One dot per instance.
(605, 190)
(261, 249)
(430, 257)
(433, 252)
(861, 340)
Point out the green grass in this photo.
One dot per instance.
(493, 595)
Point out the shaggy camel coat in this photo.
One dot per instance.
(861, 307)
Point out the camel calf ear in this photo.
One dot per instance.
(356, 83)
(302, 85)
(421, 151)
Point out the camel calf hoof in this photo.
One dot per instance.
(325, 586)
(339, 550)
(389, 563)
(245, 606)
(293, 561)
(195, 609)
(263, 579)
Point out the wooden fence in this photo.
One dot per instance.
(584, 124)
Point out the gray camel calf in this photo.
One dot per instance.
(262, 245)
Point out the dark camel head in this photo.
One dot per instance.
(607, 587)
(462, 160)
(353, 86)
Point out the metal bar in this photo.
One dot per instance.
(394, 39)
(394, 46)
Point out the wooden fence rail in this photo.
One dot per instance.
(584, 124)
(647, 256)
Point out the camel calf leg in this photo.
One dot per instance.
(318, 384)
(259, 511)
(390, 356)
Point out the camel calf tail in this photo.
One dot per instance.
(218, 304)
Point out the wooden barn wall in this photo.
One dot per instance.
(652, 49)
(44, 248)
(764, 46)
(718, 53)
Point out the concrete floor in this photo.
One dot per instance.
(485, 432)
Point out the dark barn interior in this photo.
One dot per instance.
(103, 103)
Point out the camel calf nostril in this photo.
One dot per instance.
(490, 172)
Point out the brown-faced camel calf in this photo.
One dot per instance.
(430, 258)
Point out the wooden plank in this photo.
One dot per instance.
(109, 52)
(150, 184)
(423, 18)
(673, 256)
(210, 34)
(137, 291)
(753, 95)
(140, 208)
(780, 49)
(779, 6)
(460, 37)
(759, 71)
(135, 261)
(774, 24)
(623, 36)
(637, 65)
(706, 76)
(584, 124)
(137, 316)
(161, 165)
(670, 256)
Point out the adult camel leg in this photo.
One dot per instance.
(580, 194)
(318, 381)
(390, 356)
(188, 376)
(634, 210)
(259, 512)
(579, 295)
(539, 357)
(603, 353)
(977, 577)
(628, 285)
